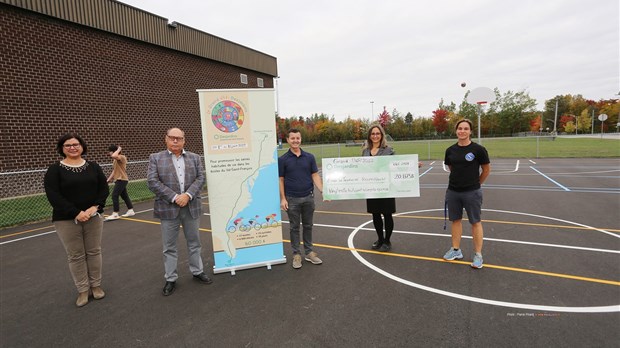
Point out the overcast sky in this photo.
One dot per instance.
(336, 56)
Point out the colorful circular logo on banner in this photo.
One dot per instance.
(227, 116)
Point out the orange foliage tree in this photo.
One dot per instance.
(440, 120)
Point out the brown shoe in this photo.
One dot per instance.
(98, 293)
(296, 261)
(82, 299)
(314, 258)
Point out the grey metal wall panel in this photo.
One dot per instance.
(122, 19)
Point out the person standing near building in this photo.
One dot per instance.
(469, 167)
(298, 175)
(119, 176)
(77, 190)
(176, 177)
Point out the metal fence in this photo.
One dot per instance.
(22, 196)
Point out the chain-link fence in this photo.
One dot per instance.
(23, 197)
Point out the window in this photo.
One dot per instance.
(244, 79)
(259, 82)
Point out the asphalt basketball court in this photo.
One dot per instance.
(551, 275)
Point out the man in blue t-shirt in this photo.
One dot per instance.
(298, 174)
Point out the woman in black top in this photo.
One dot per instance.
(77, 190)
(376, 145)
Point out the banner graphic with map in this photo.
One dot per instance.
(241, 162)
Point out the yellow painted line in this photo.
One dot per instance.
(415, 257)
(140, 220)
(158, 223)
(483, 220)
(486, 265)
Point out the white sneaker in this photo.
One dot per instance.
(114, 216)
(129, 213)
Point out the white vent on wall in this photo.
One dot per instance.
(244, 79)
(259, 82)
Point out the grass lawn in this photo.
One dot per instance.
(517, 147)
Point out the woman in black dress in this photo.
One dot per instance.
(376, 145)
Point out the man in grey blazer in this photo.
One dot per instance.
(176, 177)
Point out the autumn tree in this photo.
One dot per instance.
(509, 111)
(384, 118)
(550, 110)
(584, 122)
(440, 121)
(536, 124)
(398, 128)
(422, 127)
(569, 127)
(564, 119)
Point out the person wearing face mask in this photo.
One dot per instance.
(469, 167)
(77, 189)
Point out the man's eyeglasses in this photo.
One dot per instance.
(68, 146)
(175, 138)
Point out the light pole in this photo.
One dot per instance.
(575, 125)
(277, 96)
(555, 120)
(372, 110)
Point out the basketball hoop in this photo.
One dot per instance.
(480, 96)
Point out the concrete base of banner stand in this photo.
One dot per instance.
(233, 269)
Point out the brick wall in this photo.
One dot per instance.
(57, 76)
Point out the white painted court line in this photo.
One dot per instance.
(426, 171)
(28, 237)
(548, 178)
(593, 309)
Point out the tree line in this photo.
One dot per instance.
(511, 114)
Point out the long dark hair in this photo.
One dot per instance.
(383, 142)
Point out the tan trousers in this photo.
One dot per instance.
(82, 242)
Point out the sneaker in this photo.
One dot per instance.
(297, 261)
(477, 261)
(377, 244)
(312, 257)
(453, 254)
(129, 213)
(385, 247)
(114, 216)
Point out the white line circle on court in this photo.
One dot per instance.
(596, 309)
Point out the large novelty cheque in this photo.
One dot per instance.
(370, 177)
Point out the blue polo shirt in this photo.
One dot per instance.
(297, 173)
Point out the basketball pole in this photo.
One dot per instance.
(479, 117)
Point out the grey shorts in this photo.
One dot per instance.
(471, 201)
